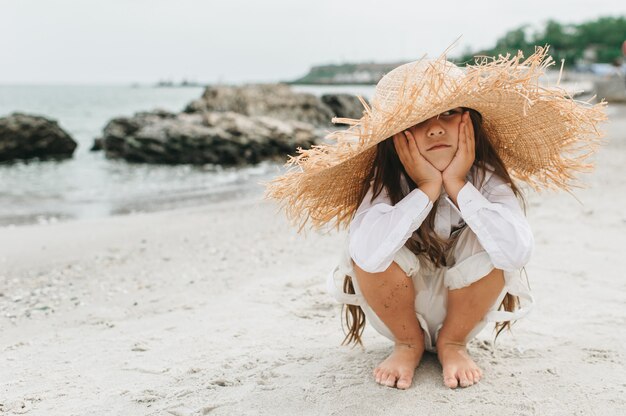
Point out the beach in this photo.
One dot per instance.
(221, 309)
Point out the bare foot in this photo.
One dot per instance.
(398, 369)
(458, 368)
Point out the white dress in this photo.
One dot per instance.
(496, 235)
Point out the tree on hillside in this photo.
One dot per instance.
(603, 36)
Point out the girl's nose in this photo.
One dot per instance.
(435, 130)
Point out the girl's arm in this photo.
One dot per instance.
(498, 221)
(379, 229)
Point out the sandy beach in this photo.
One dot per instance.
(222, 310)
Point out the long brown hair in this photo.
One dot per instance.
(386, 173)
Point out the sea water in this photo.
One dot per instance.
(88, 185)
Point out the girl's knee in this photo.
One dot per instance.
(487, 289)
(494, 279)
(394, 269)
(404, 260)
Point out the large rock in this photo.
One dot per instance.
(272, 100)
(228, 126)
(25, 136)
(344, 105)
(611, 89)
(224, 138)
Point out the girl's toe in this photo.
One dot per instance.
(404, 382)
(449, 379)
(451, 382)
(476, 375)
(379, 377)
(463, 380)
(391, 381)
(470, 376)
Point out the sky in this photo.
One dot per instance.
(235, 41)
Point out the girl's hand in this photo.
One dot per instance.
(421, 171)
(454, 176)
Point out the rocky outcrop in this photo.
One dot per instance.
(228, 126)
(611, 89)
(24, 136)
(224, 138)
(277, 101)
(272, 100)
(343, 105)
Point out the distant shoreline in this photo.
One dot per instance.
(323, 83)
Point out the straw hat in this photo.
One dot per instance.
(542, 135)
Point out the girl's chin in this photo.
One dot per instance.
(440, 165)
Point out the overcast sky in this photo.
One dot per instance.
(124, 41)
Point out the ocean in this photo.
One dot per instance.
(91, 186)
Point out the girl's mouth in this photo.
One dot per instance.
(439, 146)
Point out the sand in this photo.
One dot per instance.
(222, 310)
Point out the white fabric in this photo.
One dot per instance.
(497, 235)
(469, 263)
(379, 229)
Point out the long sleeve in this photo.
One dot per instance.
(498, 221)
(379, 229)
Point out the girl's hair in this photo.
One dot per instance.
(386, 173)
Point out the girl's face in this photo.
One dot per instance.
(438, 137)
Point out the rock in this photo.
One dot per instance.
(344, 105)
(24, 136)
(611, 89)
(97, 145)
(272, 100)
(229, 125)
(224, 138)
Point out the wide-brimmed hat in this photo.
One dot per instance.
(541, 133)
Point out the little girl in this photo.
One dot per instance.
(423, 181)
(433, 246)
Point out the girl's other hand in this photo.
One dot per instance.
(454, 176)
(421, 171)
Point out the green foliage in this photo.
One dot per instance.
(603, 36)
(324, 72)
